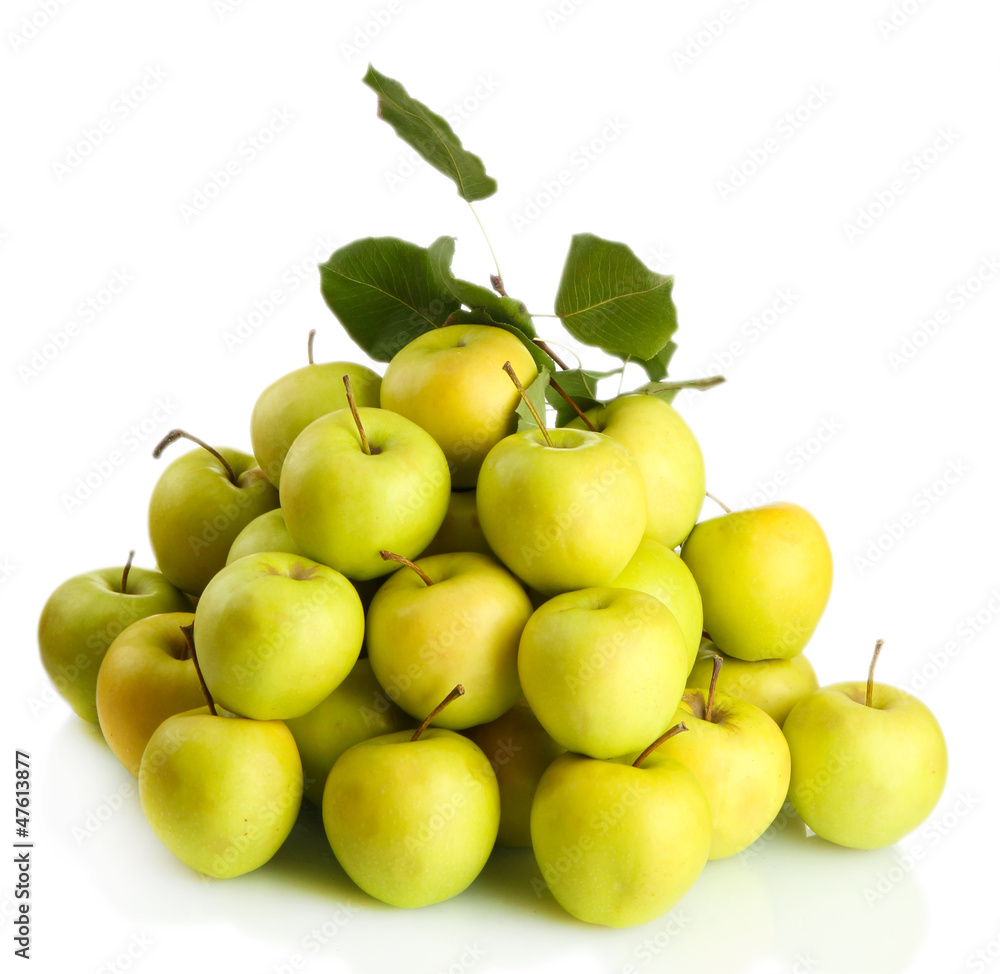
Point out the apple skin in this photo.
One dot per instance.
(82, 618)
(342, 507)
(864, 777)
(221, 793)
(564, 517)
(742, 762)
(265, 533)
(355, 711)
(668, 456)
(619, 845)
(660, 572)
(774, 685)
(603, 669)
(275, 633)
(412, 822)
(460, 530)
(450, 381)
(465, 628)
(286, 407)
(519, 751)
(196, 512)
(146, 676)
(765, 577)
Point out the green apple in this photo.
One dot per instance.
(660, 572)
(668, 456)
(561, 517)
(453, 618)
(603, 669)
(275, 633)
(412, 817)
(450, 382)
(348, 496)
(286, 407)
(147, 675)
(774, 685)
(265, 533)
(519, 751)
(221, 793)
(765, 576)
(355, 711)
(869, 762)
(620, 843)
(85, 614)
(460, 530)
(201, 502)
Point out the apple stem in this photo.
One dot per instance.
(562, 392)
(457, 692)
(497, 281)
(548, 351)
(392, 556)
(509, 369)
(189, 636)
(716, 666)
(871, 673)
(728, 510)
(309, 345)
(175, 435)
(673, 732)
(365, 445)
(128, 565)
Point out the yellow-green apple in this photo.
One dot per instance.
(147, 675)
(460, 530)
(602, 666)
(350, 489)
(619, 843)
(265, 533)
(412, 817)
(85, 614)
(221, 793)
(659, 571)
(562, 509)
(667, 454)
(356, 710)
(447, 619)
(869, 762)
(201, 502)
(450, 382)
(275, 633)
(764, 575)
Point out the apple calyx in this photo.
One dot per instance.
(710, 703)
(457, 692)
(189, 637)
(392, 556)
(673, 732)
(562, 392)
(352, 404)
(509, 369)
(870, 689)
(125, 571)
(175, 435)
(309, 345)
(725, 507)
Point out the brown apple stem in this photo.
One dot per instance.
(576, 409)
(365, 445)
(309, 345)
(716, 666)
(728, 510)
(497, 281)
(125, 570)
(871, 673)
(175, 435)
(457, 692)
(392, 556)
(552, 355)
(189, 636)
(673, 732)
(509, 369)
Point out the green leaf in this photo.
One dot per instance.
(607, 297)
(668, 390)
(581, 386)
(431, 136)
(385, 293)
(656, 367)
(536, 393)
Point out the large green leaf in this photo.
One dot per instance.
(581, 386)
(385, 293)
(431, 136)
(607, 297)
(656, 367)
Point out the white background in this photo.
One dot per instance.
(815, 408)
